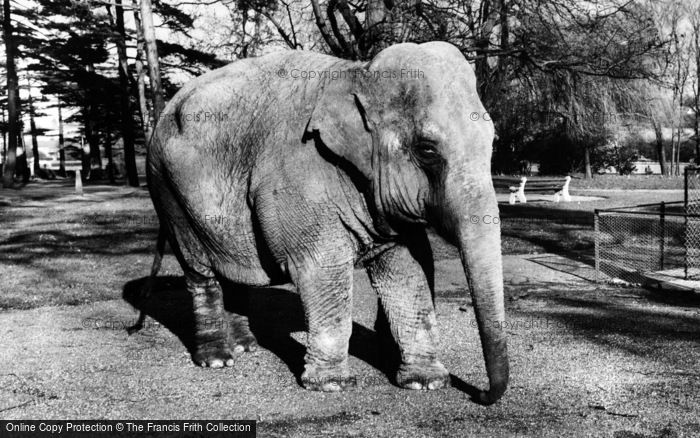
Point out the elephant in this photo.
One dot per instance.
(295, 166)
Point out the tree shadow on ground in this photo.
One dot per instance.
(622, 325)
(274, 314)
(62, 190)
(32, 238)
(672, 297)
(555, 230)
(24, 248)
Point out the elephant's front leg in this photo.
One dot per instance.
(403, 290)
(326, 294)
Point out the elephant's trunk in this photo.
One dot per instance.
(477, 234)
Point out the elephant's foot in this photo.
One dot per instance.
(427, 376)
(243, 342)
(242, 338)
(327, 379)
(213, 354)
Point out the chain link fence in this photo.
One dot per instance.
(692, 230)
(653, 241)
(634, 243)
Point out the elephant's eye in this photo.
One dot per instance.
(426, 152)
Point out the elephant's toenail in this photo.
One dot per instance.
(434, 385)
(332, 387)
(414, 385)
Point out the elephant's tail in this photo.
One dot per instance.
(158, 258)
(155, 267)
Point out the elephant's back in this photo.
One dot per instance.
(273, 82)
(200, 125)
(234, 113)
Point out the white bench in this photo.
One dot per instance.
(541, 185)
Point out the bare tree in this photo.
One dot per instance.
(108, 150)
(61, 142)
(141, 75)
(32, 129)
(680, 71)
(4, 137)
(127, 128)
(149, 36)
(12, 98)
(693, 11)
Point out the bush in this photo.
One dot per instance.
(622, 158)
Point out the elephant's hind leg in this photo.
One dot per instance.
(217, 335)
(403, 290)
(211, 345)
(210, 341)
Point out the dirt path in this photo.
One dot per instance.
(585, 361)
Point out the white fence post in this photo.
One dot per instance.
(78, 183)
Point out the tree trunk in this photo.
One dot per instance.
(32, 127)
(697, 133)
(94, 160)
(4, 138)
(678, 154)
(695, 27)
(61, 144)
(490, 15)
(84, 157)
(141, 77)
(108, 152)
(660, 152)
(680, 126)
(91, 160)
(12, 96)
(677, 150)
(127, 126)
(320, 24)
(587, 159)
(22, 170)
(149, 36)
(375, 15)
(673, 151)
(95, 154)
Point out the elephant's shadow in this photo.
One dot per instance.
(274, 313)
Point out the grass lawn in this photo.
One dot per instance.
(567, 227)
(631, 182)
(60, 248)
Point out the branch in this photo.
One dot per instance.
(421, 13)
(336, 30)
(108, 4)
(280, 30)
(350, 18)
(323, 28)
(203, 3)
(291, 25)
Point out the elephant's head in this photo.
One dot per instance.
(405, 122)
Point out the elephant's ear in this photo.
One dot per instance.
(340, 122)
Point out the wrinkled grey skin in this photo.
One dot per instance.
(294, 179)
